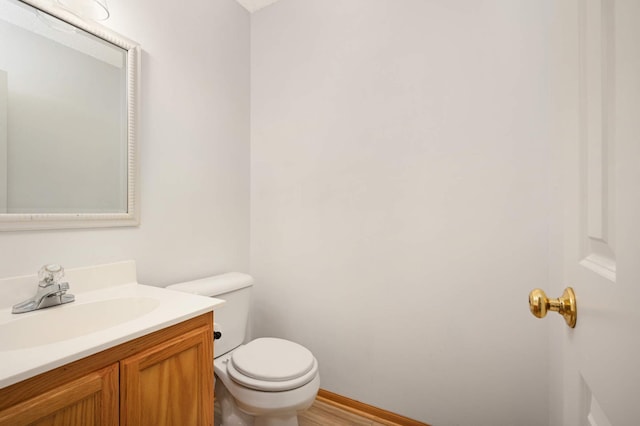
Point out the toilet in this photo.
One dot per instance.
(264, 382)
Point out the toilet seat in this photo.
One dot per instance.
(272, 365)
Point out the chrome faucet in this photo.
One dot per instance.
(51, 291)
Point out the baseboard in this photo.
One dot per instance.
(365, 410)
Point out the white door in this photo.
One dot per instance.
(596, 95)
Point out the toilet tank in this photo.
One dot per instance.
(231, 318)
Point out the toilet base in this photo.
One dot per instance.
(232, 415)
(291, 420)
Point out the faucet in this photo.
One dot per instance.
(51, 291)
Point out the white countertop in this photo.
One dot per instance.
(25, 353)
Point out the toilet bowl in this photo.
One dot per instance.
(264, 382)
(269, 379)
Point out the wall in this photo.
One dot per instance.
(400, 197)
(4, 92)
(193, 148)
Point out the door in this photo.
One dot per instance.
(596, 97)
(91, 400)
(170, 384)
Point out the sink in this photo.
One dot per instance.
(66, 322)
(111, 308)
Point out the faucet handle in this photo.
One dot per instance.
(50, 274)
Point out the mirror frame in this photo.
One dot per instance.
(36, 221)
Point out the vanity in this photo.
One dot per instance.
(121, 354)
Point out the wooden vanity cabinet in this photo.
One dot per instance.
(170, 383)
(89, 400)
(162, 379)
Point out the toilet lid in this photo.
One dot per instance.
(271, 364)
(272, 359)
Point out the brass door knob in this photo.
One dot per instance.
(565, 305)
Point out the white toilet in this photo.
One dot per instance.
(265, 382)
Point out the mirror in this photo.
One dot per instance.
(67, 120)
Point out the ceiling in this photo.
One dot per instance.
(253, 5)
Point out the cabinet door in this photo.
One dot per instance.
(170, 384)
(91, 400)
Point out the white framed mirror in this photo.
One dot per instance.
(68, 111)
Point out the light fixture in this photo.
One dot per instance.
(96, 10)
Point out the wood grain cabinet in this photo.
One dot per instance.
(162, 379)
(90, 400)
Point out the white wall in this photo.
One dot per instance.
(4, 96)
(400, 197)
(193, 148)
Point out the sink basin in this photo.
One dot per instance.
(72, 320)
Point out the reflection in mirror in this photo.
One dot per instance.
(67, 105)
